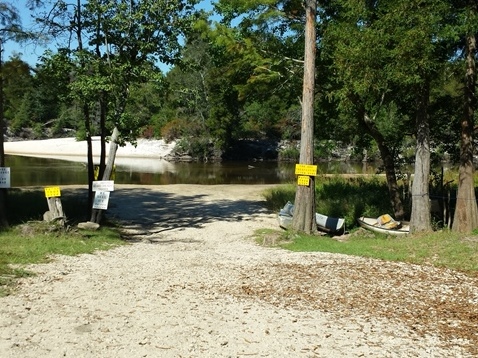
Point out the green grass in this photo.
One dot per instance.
(30, 241)
(439, 249)
(352, 198)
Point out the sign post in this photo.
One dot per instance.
(102, 191)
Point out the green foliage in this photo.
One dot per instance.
(199, 148)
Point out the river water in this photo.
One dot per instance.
(31, 171)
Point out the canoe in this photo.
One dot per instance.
(373, 225)
(324, 222)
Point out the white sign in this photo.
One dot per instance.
(101, 200)
(104, 185)
(4, 177)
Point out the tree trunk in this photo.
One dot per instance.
(389, 165)
(421, 218)
(304, 209)
(96, 213)
(466, 212)
(3, 192)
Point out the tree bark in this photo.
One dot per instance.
(421, 218)
(3, 192)
(466, 211)
(389, 165)
(304, 209)
(96, 213)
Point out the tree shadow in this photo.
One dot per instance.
(145, 209)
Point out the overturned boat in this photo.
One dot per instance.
(325, 223)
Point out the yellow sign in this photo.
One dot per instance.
(52, 192)
(306, 169)
(303, 180)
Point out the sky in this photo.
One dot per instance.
(30, 52)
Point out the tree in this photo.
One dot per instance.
(466, 211)
(10, 29)
(126, 41)
(384, 55)
(304, 209)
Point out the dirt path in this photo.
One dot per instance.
(196, 285)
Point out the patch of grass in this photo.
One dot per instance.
(30, 241)
(440, 249)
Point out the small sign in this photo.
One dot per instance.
(306, 169)
(4, 177)
(104, 185)
(52, 192)
(101, 200)
(303, 180)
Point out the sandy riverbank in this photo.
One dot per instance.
(71, 149)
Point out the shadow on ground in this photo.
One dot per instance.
(147, 209)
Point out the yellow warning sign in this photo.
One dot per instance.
(306, 169)
(52, 192)
(303, 180)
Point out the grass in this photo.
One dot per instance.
(351, 198)
(30, 241)
(440, 249)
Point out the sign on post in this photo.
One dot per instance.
(4, 177)
(304, 172)
(101, 200)
(303, 180)
(102, 189)
(55, 212)
(52, 192)
(104, 185)
(306, 169)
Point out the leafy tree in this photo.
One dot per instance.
(384, 55)
(10, 29)
(126, 40)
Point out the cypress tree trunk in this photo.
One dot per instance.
(421, 218)
(466, 211)
(304, 209)
(389, 164)
(3, 192)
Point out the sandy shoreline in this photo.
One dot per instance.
(195, 285)
(71, 149)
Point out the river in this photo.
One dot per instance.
(32, 171)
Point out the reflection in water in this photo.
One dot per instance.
(28, 171)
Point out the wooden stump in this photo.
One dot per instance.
(55, 211)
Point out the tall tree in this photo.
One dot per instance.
(10, 29)
(466, 211)
(304, 209)
(126, 40)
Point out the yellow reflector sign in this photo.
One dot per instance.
(52, 192)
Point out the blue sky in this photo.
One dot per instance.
(30, 52)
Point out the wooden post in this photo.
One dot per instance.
(55, 209)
